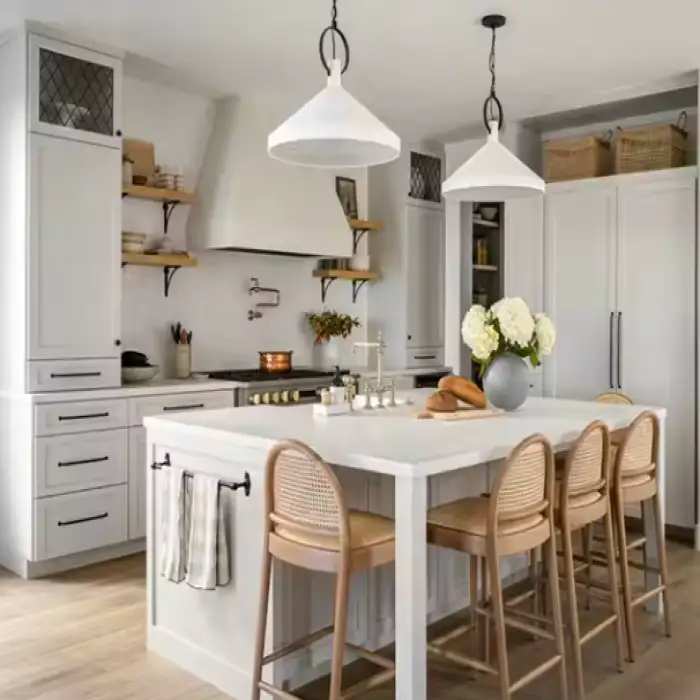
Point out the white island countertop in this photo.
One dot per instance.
(215, 642)
(393, 441)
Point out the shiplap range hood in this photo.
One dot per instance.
(250, 202)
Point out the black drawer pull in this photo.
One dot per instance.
(76, 462)
(85, 416)
(425, 357)
(186, 407)
(77, 521)
(73, 375)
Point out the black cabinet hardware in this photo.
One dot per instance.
(76, 462)
(77, 521)
(73, 375)
(612, 315)
(85, 416)
(246, 484)
(185, 407)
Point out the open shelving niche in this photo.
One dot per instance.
(170, 262)
(487, 277)
(358, 278)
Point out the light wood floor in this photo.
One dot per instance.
(81, 636)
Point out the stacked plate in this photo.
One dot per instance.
(133, 242)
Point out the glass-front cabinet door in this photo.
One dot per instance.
(74, 93)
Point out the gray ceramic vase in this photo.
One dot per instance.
(507, 382)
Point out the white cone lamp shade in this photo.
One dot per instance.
(333, 130)
(492, 174)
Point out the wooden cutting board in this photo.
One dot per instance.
(460, 414)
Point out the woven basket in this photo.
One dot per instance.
(574, 159)
(652, 148)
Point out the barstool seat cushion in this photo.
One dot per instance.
(584, 499)
(470, 515)
(366, 530)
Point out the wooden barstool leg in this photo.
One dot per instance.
(555, 604)
(663, 568)
(499, 625)
(474, 600)
(486, 621)
(263, 601)
(586, 537)
(625, 575)
(614, 589)
(340, 624)
(573, 609)
(535, 582)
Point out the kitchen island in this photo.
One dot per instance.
(388, 462)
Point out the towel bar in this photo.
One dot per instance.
(233, 485)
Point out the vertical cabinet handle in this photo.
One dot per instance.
(612, 315)
(619, 349)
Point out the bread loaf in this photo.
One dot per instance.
(464, 390)
(441, 402)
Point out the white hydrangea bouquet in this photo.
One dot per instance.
(507, 327)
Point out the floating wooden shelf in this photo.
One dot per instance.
(485, 268)
(362, 225)
(348, 274)
(357, 277)
(157, 194)
(170, 263)
(359, 228)
(483, 222)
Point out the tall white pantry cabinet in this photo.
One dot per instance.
(60, 214)
(620, 284)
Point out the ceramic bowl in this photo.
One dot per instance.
(139, 375)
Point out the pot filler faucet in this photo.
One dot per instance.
(380, 386)
(255, 288)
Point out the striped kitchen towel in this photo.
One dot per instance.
(174, 539)
(207, 550)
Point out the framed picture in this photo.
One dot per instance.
(346, 189)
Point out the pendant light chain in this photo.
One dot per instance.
(335, 33)
(493, 110)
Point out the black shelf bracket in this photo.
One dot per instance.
(168, 274)
(356, 287)
(168, 207)
(357, 235)
(325, 283)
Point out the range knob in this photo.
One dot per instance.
(266, 397)
(285, 397)
(275, 397)
(295, 396)
(254, 399)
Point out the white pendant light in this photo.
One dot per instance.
(333, 130)
(493, 173)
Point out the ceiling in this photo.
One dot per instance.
(420, 65)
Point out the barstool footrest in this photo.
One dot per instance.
(453, 634)
(371, 656)
(277, 692)
(536, 673)
(368, 684)
(297, 645)
(463, 660)
(647, 594)
(600, 627)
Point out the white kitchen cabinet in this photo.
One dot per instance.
(407, 304)
(137, 483)
(580, 224)
(425, 283)
(74, 249)
(74, 93)
(523, 251)
(621, 289)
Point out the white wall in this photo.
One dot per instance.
(212, 299)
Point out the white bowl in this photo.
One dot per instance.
(139, 375)
(137, 248)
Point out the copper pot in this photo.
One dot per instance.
(276, 361)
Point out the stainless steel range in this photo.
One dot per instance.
(281, 388)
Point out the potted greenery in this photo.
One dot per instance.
(328, 327)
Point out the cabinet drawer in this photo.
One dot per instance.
(425, 357)
(66, 463)
(67, 375)
(79, 416)
(78, 522)
(155, 405)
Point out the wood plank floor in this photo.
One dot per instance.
(81, 636)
